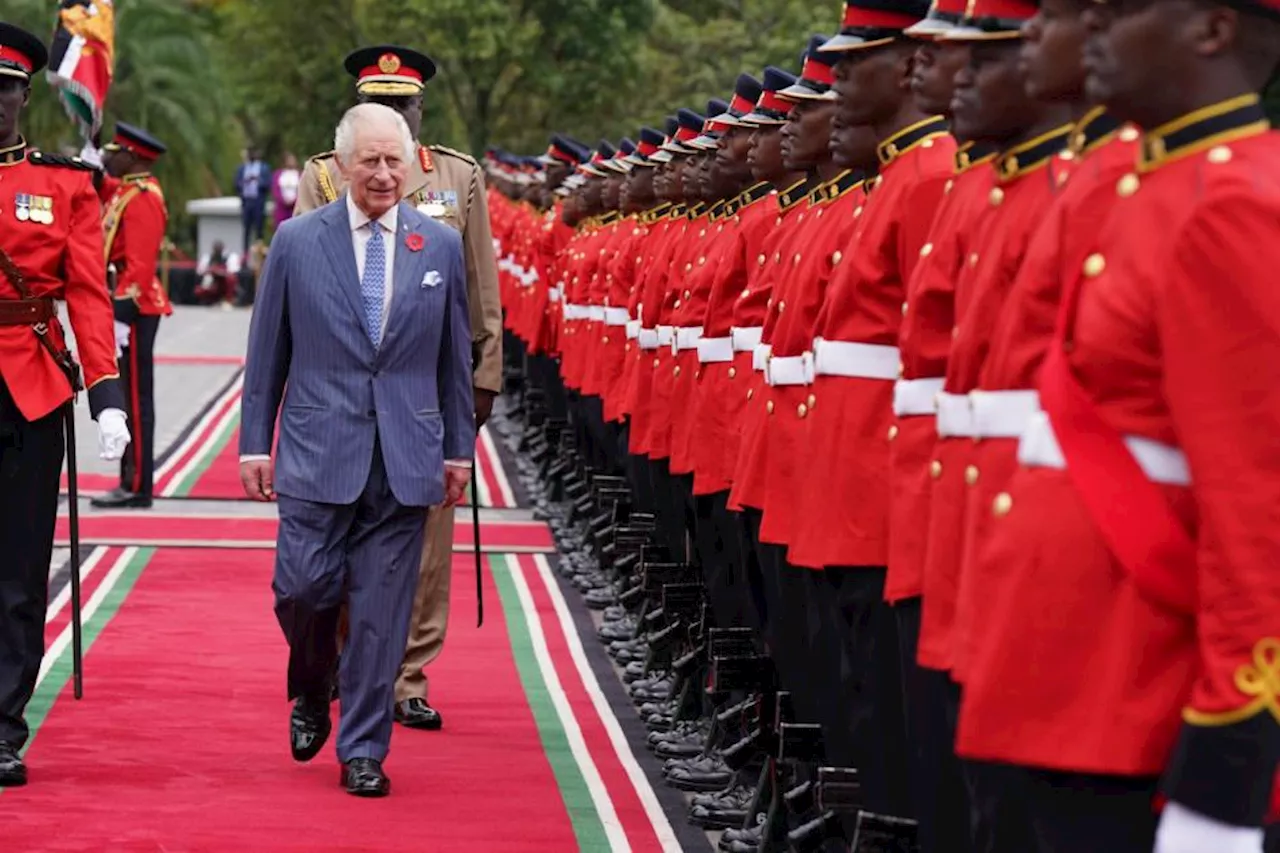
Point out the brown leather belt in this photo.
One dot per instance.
(26, 312)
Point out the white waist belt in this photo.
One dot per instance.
(596, 313)
(616, 316)
(528, 277)
(648, 338)
(916, 396)
(571, 311)
(1002, 414)
(686, 337)
(1161, 463)
(854, 360)
(760, 356)
(553, 294)
(715, 350)
(666, 334)
(955, 415)
(789, 370)
(746, 338)
(633, 330)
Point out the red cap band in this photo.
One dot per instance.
(136, 147)
(741, 105)
(10, 54)
(1004, 10)
(389, 65)
(818, 72)
(771, 101)
(646, 149)
(684, 134)
(876, 19)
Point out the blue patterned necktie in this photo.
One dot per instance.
(374, 282)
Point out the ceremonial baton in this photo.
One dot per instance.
(73, 510)
(475, 537)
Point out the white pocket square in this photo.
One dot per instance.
(431, 279)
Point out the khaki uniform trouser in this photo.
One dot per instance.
(430, 620)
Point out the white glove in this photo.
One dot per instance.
(113, 434)
(122, 337)
(1185, 831)
(91, 155)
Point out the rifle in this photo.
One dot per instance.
(63, 358)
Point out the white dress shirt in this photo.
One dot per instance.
(360, 235)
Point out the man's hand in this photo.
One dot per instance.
(455, 484)
(113, 434)
(484, 405)
(1185, 831)
(258, 478)
(122, 337)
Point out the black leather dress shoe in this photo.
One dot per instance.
(121, 499)
(13, 773)
(417, 714)
(363, 777)
(309, 728)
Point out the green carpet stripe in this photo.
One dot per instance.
(59, 675)
(587, 825)
(208, 454)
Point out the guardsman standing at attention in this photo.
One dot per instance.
(50, 249)
(446, 185)
(133, 223)
(1128, 681)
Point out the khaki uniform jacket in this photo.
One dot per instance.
(446, 185)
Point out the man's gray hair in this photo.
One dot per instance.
(364, 117)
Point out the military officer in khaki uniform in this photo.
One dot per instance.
(449, 186)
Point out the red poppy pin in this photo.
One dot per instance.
(413, 242)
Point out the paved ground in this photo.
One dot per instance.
(182, 388)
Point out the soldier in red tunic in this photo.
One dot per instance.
(1131, 646)
(133, 223)
(50, 249)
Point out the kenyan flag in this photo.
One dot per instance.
(81, 59)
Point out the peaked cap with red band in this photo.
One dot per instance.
(650, 142)
(390, 70)
(990, 20)
(944, 16)
(871, 23)
(771, 108)
(745, 94)
(21, 53)
(817, 76)
(688, 128)
(135, 140)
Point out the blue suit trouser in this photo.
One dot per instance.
(369, 551)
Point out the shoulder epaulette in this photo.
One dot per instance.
(43, 158)
(444, 149)
(316, 158)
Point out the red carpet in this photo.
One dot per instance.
(181, 742)
(143, 527)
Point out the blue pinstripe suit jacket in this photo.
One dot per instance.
(308, 347)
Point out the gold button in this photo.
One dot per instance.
(947, 189)
(605, 339)
(687, 294)
(1002, 504)
(893, 432)
(971, 475)
(973, 259)
(926, 249)
(836, 258)
(702, 261)
(768, 407)
(676, 371)
(733, 371)
(997, 196)
(782, 306)
(702, 233)
(655, 363)
(677, 304)
(795, 262)
(746, 291)
(1128, 134)
(1128, 185)
(1219, 154)
(751, 392)
(762, 259)
(928, 143)
(902, 370)
(698, 373)
(1094, 265)
(935, 469)
(812, 401)
(688, 267)
(802, 410)
(639, 259)
(904, 309)
(1067, 155)
(857, 211)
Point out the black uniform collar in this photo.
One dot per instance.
(755, 193)
(14, 154)
(1032, 154)
(973, 154)
(1206, 127)
(909, 137)
(795, 193)
(1094, 128)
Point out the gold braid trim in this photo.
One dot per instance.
(1259, 679)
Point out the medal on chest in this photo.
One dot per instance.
(438, 203)
(33, 208)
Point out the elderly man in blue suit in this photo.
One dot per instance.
(361, 328)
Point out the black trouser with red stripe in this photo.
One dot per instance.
(30, 462)
(137, 375)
